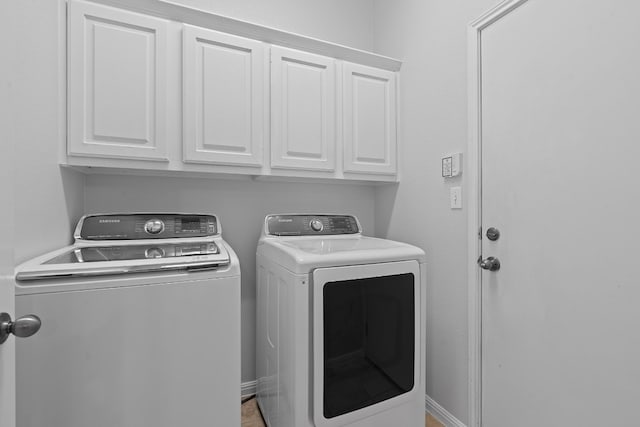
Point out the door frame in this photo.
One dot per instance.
(8, 130)
(474, 201)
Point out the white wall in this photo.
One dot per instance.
(430, 37)
(48, 199)
(44, 200)
(242, 204)
(345, 22)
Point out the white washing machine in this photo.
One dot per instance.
(340, 325)
(140, 326)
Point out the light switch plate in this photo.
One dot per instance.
(455, 196)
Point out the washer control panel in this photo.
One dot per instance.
(146, 226)
(311, 225)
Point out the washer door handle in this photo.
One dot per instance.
(23, 327)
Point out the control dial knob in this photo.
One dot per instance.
(316, 225)
(154, 226)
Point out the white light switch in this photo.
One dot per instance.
(455, 196)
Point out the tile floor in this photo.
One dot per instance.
(251, 416)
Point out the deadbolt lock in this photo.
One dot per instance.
(493, 234)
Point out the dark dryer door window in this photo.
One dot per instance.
(369, 341)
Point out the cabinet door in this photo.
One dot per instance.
(117, 83)
(369, 133)
(303, 109)
(223, 98)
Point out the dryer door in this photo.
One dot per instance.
(366, 338)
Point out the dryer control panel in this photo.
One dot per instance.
(311, 225)
(140, 226)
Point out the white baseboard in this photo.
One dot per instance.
(442, 414)
(248, 389)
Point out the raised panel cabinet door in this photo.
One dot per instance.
(223, 98)
(369, 114)
(117, 83)
(303, 110)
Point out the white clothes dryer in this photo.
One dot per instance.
(140, 326)
(340, 325)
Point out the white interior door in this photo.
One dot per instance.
(560, 146)
(7, 350)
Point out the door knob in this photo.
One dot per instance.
(23, 327)
(491, 264)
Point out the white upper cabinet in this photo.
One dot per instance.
(223, 98)
(116, 83)
(303, 110)
(369, 114)
(168, 92)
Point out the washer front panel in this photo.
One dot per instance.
(374, 348)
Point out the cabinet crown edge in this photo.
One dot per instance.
(174, 12)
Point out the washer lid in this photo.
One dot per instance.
(82, 260)
(302, 255)
(330, 246)
(88, 254)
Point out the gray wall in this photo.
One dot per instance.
(242, 204)
(430, 37)
(345, 22)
